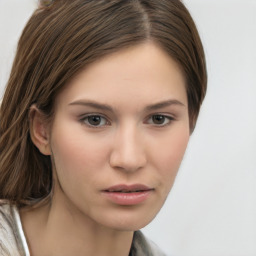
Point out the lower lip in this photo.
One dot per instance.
(128, 198)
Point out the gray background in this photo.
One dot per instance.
(211, 210)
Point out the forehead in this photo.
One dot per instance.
(142, 73)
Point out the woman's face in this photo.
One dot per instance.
(119, 133)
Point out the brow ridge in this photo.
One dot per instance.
(163, 104)
(107, 107)
(93, 104)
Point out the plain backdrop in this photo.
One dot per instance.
(211, 210)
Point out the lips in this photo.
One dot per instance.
(128, 188)
(128, 194)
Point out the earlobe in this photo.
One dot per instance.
(39, 130)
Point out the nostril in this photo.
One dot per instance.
(127, 164)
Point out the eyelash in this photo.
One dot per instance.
(167, 118)
(84, 120)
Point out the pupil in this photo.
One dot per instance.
(94, 120)
(158, 119)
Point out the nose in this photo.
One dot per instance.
(128, 152)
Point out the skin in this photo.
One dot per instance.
(140, 137)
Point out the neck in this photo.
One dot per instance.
(56, 229)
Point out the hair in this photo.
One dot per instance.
(63, 37)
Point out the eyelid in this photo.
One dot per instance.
(170, 117)
(83, 117)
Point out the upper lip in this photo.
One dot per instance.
(128, 188)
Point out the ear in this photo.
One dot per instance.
(39, 130)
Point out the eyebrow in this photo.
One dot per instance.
(101, 106)
(163, 104)
(93, 104)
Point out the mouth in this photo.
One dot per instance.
(124, 191)
(136, 188)
(128, 194)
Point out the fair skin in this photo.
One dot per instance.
(121, 121)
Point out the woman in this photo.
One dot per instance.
(95, 119)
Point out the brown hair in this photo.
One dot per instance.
(61, 38)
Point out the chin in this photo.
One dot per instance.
(127, 220)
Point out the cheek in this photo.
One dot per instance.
(176, 149)
(168, 157)
(76, 158)
(78, 161)
(76, 152)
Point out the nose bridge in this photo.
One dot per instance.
(128, 150)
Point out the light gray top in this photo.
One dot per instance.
(13, 241)
(12, 238)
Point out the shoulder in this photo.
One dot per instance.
(9, 234)
(7, 220)
(144, 246)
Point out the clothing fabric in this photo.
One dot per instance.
(13, 241)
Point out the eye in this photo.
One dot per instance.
(160, 120)
(95, 121)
